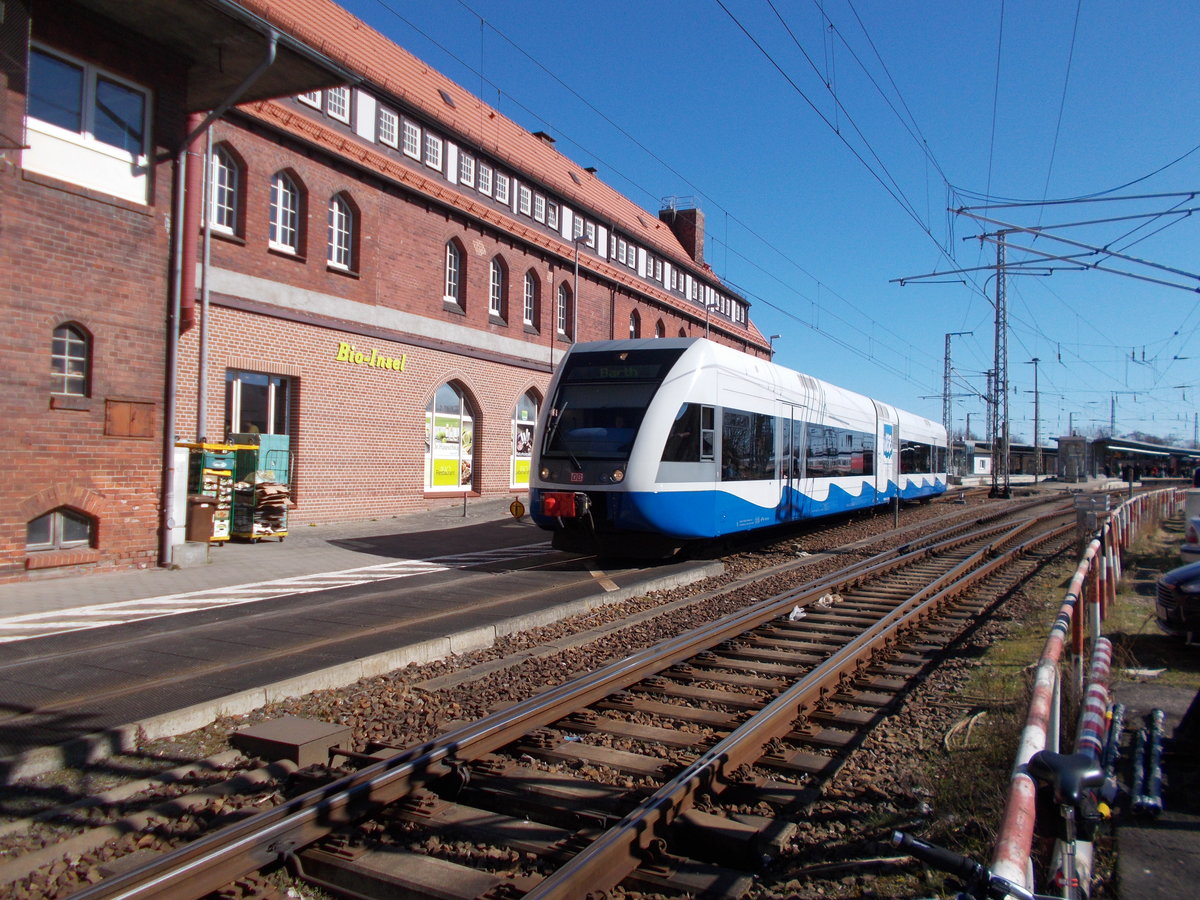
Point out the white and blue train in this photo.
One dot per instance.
(645, 445)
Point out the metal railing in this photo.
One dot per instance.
(1092, 590)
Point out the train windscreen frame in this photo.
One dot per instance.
(601, 399)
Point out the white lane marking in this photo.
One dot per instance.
(31, 625)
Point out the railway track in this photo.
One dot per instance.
(665, 771)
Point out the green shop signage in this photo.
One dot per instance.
(374, 360)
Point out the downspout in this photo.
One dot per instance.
(182, 229)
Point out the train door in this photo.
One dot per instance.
(887, 456)
(791, 463)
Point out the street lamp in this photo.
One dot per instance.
(577, 240)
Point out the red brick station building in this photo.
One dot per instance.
(261, 216)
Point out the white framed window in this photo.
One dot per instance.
(466, 169)
(578, 227)
(312, 98)
(224, 177)
(412, 139)
(285, 214)
(485, 179)
(552, 215)
(621, 249)
(340, 252)
(70, 361)
(433, 151)
(453, 273)
(539, 207)
(86, 125)
(529, 315)
(389, 127)
(562, 313)
(524, 200)
(256, 402)
(496, 288)
(501, 187)
(60, 529)
(590, 228)
(337, 103)
(658, 270)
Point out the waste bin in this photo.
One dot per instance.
(201, 508)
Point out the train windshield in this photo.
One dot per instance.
(601, 399)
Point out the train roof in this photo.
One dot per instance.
(742, 360)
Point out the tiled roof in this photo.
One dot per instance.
(355, 45)
(305, 127)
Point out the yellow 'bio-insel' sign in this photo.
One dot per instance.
(373, 360)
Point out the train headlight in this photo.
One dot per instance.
(618, 475)
(545, 473)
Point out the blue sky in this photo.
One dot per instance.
(825, 142)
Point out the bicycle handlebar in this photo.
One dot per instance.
(979, 881)
(940, 858)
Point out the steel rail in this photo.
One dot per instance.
(216, 859)
(615, 854)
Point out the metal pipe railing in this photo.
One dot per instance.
(1094, 586)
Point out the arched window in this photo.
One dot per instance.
(635, 325)
(224, 191)
(498, 289)
(285, 214)
(341, 233)
(449, 441)
(533, 290)
(70, 361)
(454, 274)
(660, 330)
(59, 529)
(563, 313)
(682, 333)
(524, 422)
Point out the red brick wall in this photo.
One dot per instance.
(71, 255)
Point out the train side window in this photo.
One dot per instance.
(683, 440)
(692, 435)
(708, 433)
(748, 446)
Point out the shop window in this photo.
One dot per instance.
(635, 325)
(70, 361)
(256, 403)
(224, 190)
(60, 529)
(454, 274)
(524, 421)
(498, 289)
(532, 293)
(449, 441)
(86, 126)
(341, 233)
(285, 213)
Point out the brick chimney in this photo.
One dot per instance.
(688, 226)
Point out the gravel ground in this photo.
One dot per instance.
(399, 709)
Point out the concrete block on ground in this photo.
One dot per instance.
(304, 741)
